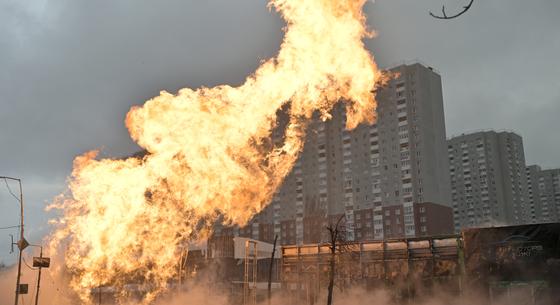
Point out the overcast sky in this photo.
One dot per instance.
(71, 69)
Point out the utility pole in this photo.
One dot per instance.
(270, 270)
(40, 262)
(39, 279)
(182, 266)
(22, 243)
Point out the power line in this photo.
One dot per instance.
(10, 227)
(13, 195)
(10, 190)
(25, 262)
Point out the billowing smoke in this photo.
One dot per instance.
(53, 288)
(209, 154)
(204, 295)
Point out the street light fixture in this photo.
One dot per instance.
(22, 243)
(40, 262)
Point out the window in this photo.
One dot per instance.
(405, 155)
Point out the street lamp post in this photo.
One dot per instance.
(39, 279)
(40, 262)
(22, 243)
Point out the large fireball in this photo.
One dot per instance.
(209, 154)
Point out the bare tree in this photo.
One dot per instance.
(444, 14)
(337, 243)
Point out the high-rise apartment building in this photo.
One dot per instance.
(389, 179)
(543, 194)
(488, 179)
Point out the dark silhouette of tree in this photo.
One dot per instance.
(444, 15)
(337, 244)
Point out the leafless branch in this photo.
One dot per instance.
(444, 14)
(337, 240)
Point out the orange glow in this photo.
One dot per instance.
(126, 220)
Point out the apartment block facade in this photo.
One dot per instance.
(386, 180)
(543, 194)
(397, 164)
(488, 179)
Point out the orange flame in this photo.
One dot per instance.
(208, 154)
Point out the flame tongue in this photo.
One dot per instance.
(207, 152)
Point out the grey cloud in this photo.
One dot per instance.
(499, 64)
(71, 71)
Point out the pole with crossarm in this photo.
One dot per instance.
(22, 243)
